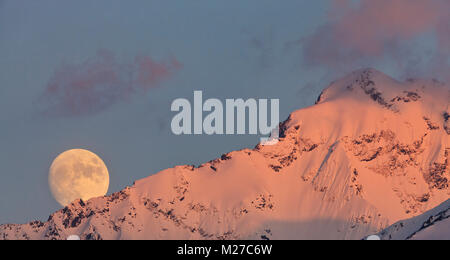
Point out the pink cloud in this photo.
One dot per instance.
(100, 82)
(151, 73)
(371, 30)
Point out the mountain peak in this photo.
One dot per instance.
(371, 84)
(368, 99)
(362, 84)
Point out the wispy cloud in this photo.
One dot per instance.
(100, 82)
(367, 30)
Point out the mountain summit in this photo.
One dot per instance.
(372, 151)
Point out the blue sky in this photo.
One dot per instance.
(245, 49)
(217, 43)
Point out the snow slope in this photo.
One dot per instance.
(432, 225)
(371, 152)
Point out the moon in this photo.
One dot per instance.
(78, 174)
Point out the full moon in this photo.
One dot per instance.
(78, 174)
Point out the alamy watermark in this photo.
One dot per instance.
(229, 119)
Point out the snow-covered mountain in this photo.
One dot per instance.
(371, 152)
(432, 225)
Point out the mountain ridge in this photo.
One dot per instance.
(432, 225)
(370, 152)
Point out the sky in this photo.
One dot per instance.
(101, 75)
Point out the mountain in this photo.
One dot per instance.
(371, 152)
(432, 225)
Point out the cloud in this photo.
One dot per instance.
(365, 31)
(100, 82)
